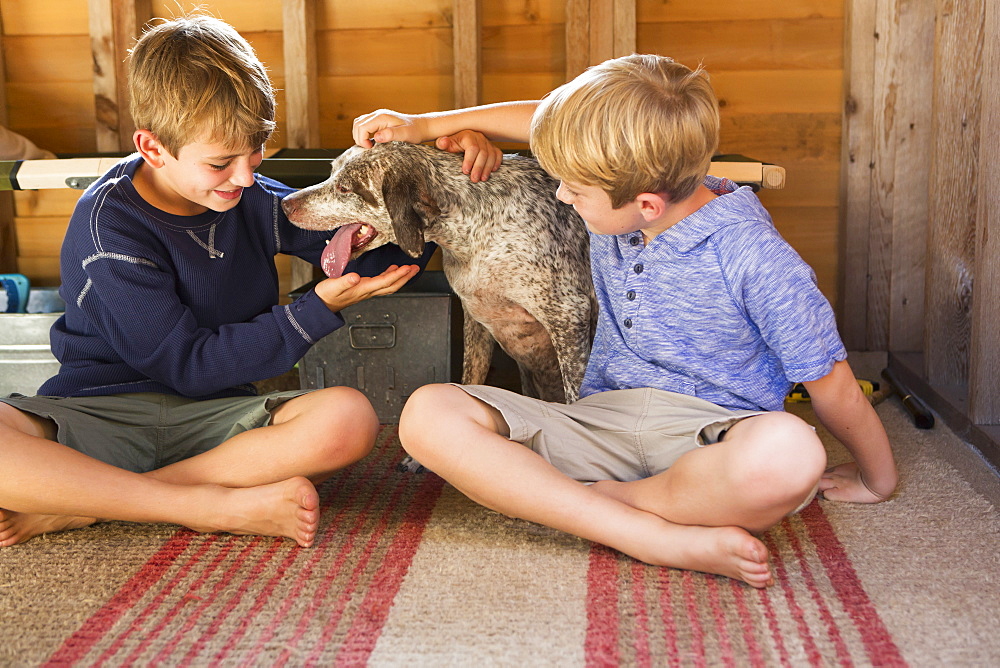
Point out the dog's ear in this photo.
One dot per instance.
(410, 207)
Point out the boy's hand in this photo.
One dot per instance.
(482, 157)
(349, 289)
(384, 126)
(845, 483)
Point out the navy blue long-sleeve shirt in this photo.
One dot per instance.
(185, 305)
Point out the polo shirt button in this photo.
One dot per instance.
(628, 323)
(634, 241)
(631, 295)
(638, 268)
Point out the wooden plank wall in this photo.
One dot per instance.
(776, 66)
(920, 217)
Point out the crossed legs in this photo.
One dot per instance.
(259, 482)
(697, 515)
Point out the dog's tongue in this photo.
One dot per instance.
(338, 251)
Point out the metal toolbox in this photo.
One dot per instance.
(391, 345)
(26, 361)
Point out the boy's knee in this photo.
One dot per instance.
(422, 409)
(785, 455)
(351, 421)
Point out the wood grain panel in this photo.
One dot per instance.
(523, 12)
(503, 52)
(42, 203)
(952, 206)
(345, 14)
(48, 58)
(302, 92)
(40, 236)
(51, 17)
(244, 15)
(651, 11)
(984, 363)
(401, 53)
(466, 53)
(747, 45)
(912, 50)
(855, 171)
(778, 91)
(42, 271)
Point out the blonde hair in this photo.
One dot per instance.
(641, 123)
(195, 78)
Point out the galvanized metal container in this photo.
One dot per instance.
(26, 361)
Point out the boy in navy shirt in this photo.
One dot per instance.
(172, 312)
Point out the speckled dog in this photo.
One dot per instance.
(516, 256)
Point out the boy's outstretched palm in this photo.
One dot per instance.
(349, 289)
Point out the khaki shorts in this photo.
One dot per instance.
(620, 435)
(145, 431)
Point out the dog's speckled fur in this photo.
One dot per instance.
(516, 256)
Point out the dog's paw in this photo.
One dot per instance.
(410, 465)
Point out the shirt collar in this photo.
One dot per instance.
(735, 204)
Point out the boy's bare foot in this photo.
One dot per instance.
(728, 551)
(18, 527)
(289, 508)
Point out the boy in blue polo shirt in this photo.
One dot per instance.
(707, 318)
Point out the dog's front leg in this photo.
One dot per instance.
(478, 346)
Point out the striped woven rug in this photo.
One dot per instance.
(221, 599)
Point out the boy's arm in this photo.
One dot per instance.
(503, 121)
(845, 411)
(465, 131)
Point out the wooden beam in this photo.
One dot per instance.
(623, 41)
(468, 61)
(984, 366)
(301, 95)
(577, 37)
(301, 88)
(602, 30)
(912, 49)
(884, 104)
(952, 206)
(114, 25)
(130, 17)
(856, 171)
(8, 234)
(597, 30)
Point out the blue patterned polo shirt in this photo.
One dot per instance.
(718, 306)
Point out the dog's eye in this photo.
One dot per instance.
(342, 189)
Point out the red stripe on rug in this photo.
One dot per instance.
(725, 646)
(669, 626)
(774, 627)
(94, 629)
(697, 634)
(824, 610)
(334, 615)
(317, 554)
(743, 614)
(231, 604)
(876, 638)
(601, 644)
(370, 619)
(211, 597)
(642, 655)
(181, 602)
(795, 610)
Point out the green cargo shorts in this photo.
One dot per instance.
(145, 431)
